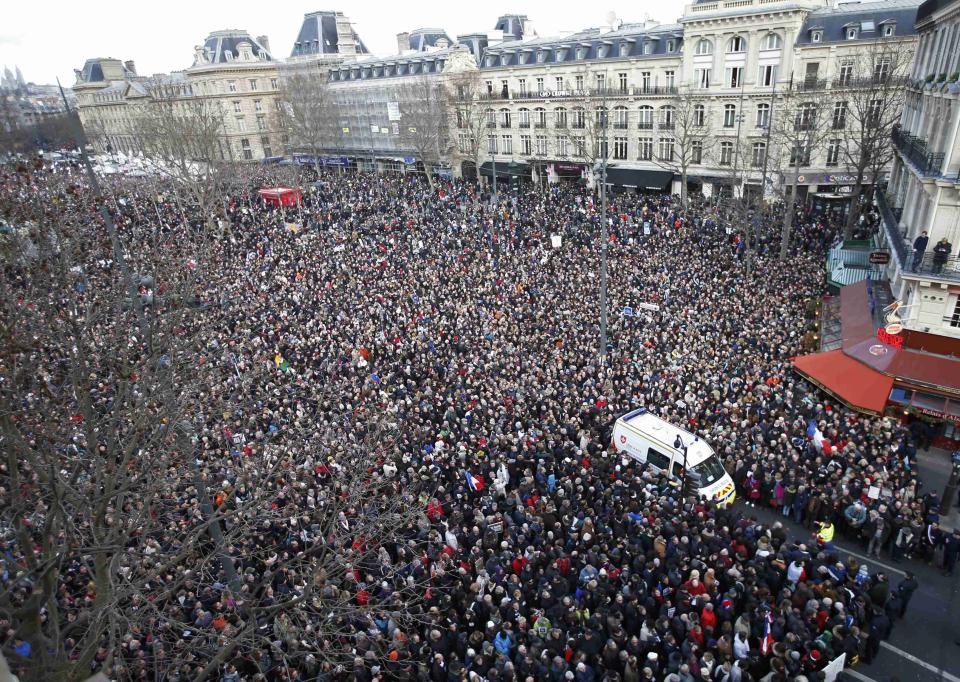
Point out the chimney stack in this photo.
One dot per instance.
(265, 41)
(131, 67)
(403, 42)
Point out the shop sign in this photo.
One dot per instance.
(832, 179)
(889, 338)
(879, 257)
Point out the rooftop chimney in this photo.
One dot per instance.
(403, 42)
(265, 41)
(131, 67)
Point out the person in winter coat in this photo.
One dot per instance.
(741, 647)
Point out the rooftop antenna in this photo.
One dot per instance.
(612, 21)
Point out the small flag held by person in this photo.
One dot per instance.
(475, 482)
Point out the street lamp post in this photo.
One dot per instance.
(603, 238)
(493, 160)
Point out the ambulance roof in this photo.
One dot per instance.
(658, 429)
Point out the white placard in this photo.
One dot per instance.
(556, 240)
(873, 493)
(648, 306)
(393, 111)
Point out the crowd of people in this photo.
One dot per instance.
(449, 342)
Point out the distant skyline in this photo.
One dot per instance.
(49, 39)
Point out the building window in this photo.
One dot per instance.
(645, 149)
(846, 73)
(558, 82)
(759, 154)
(526, 145)
(816, 36)
(833, 153)
(806, 118)
(768, 75)
(799, 155)
(648, 48)
(579, 146)
(645, 119)
(666, 117)
(541, 141)
(257, 105)
(889, 29)
(645, 81)
(699, 115)
(696, 151)
(622, 79)
(523, 118)
(620, 148)
(560, 118)
(261, 122)
(601, 79)
(671, 45)
(539, 117)
(701, 78)
(523, 86)
(735, 77)
(489, 85)
(505, 118)
(578, 83)
(561, 147)
(245, 148)
(507, 144)
(729, 115)
(579, 118)
(581, 53)
(241, 125)
(267, 149)
(726, 153)
(620, 116)
(624, 49)
(873, 113)
(463, 143)
(881, 70)
(253, 84)
(231, 86)
(491, 144)
(955, 318)
(669, 79)
(839, 115)
(539, 85)
(236, 107)
(763, 115)
(704, 46)
(737, 44)
(273, 83)
(772, 41)
(666, 149)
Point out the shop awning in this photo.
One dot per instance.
(640, 178)
(506, 170)
(859, 386)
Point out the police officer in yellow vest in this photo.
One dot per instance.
(825, 532)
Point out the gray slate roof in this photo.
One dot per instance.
(219, 42)
(318, 35)
(868, 17)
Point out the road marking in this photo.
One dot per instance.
(871, 560)
(858, 675)
(929, 666)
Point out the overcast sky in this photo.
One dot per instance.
(47, 39)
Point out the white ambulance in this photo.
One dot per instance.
(647, 438)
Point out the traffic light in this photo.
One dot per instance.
(691, 485)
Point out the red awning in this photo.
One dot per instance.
(854, 383)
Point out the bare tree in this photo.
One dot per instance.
(693, 139)
(469, 104)
(424, 127)
(800, 124)
(309, 110)
(184, 135)
(874, 95)
(117, 513)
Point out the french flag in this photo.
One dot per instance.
(475, 482)
(766, 644)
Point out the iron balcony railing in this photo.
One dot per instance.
(928, 264)
(915, 150)
(890, 223)
(654, 90)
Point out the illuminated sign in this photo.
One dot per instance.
(890, 339)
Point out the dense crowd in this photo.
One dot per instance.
(467, 342)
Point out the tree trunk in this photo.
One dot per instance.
(854, 207)
(788, 219)
(683, 187)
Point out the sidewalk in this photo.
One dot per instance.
(934, 467)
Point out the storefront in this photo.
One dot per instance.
(562, 171)
(643, 180)
(886, 371)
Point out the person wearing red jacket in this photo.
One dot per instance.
(708, 619)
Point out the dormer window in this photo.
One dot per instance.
(228, 55)
(602, 51)
(491, 60)
(581, 53)
(504, 59)
(624, 49)
(523, 58)
(671, 45)
(889, 29)
(816, 36)
(648, 47)
(561, 54)
(852, 32)
(542, 56)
